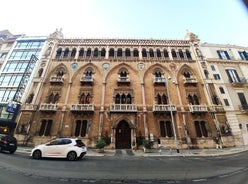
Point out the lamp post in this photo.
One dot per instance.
(171, 113)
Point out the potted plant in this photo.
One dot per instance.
(100, 144)
(147, 145)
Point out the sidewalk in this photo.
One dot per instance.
(155, 152)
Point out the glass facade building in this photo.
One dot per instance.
(12, 74)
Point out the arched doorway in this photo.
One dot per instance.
(123, 136)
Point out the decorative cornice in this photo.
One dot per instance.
(128, 42)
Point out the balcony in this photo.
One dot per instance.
(80, 108)
(244, 108)
(88, 80)
(164, 108)
(239, 83)
(29, 107)
(190, 81)
(123, 108)
(48, 107)
(57, 80)
(198, 108)
(159, 81)
(123, 81)
(217, 108)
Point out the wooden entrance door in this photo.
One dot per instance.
(123, 136)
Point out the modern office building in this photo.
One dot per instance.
(123, 89)
(15, 74)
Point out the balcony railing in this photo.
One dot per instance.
(87, 80)
(82, 108)
(29, 107)
(164, 108)
(159, 80)
(48, 107)
(198, 108)
(123, 108)
(123, 80)
(239, 83)
(57, 80)
(243, 108)
(217, 108)
(190, 81)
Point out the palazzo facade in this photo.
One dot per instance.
(122, 89)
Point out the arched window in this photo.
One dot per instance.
(159, 99)
(88, 74)
(123, 73)
(158, 53)
(129, 99)
(181, 55)
(59, 53)
(96, 52)
(190, 99)
(166, 54)
(144, 54)
(188, 55)
(119, 52)
(151, 53)
(135, 53)
(164, 99)
(123, 99)
(127, 53)
(111, 52)
(158, 74)
(73, 53)
(88, 53)
(206, 73)
(196, 100)
(81, 52)
(118, 99)
(66, 53)
(173, 53)
(186, 74)
(40, 72)
(85, 98)
(103, 52)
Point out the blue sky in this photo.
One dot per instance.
(215, 21)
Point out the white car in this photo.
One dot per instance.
(71, 149)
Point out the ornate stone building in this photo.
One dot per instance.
(123, 89)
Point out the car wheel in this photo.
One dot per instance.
(36, 154)
(12, 151)
(71, 156)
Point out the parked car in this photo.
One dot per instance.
(69, 148)
(8, 143)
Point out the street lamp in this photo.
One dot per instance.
(171, 113)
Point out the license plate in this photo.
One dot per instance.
(11, 144)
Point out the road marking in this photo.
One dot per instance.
(200, 180)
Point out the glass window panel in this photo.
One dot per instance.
(6, 80)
